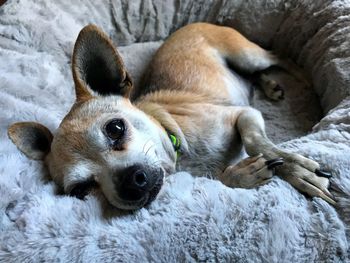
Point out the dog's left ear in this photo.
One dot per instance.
(97, 67)
(31, 138)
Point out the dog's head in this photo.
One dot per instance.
(104, 139)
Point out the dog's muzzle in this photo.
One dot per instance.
(138, 182)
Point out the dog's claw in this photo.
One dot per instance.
(306, 176)
(328, 194)
(274, 162)
(323, 173)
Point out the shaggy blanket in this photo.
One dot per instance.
(193, 219)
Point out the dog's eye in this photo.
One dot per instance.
(115, 129)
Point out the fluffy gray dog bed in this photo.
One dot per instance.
(193, 219)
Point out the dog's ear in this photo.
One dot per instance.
(97, 66)
(32, 138)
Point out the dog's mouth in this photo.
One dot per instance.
(154, 191)
(145, 199)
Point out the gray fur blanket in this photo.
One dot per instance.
(193, 219)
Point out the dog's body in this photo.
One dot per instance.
(189, 79)
(119, 137)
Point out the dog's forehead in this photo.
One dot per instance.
(97, 106)
(86, 114)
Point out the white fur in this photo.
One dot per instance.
(79, 172)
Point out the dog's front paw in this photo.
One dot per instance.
(250, 172)
(81, 190)
(306, 176)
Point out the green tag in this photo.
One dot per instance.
(176, 143)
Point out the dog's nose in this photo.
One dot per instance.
(135, 183)
(139, 181)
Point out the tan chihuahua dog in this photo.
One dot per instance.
(191, 114)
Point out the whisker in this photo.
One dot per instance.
(143, 148)
(156, 163)
(149, 149)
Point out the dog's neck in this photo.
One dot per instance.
(158, 113)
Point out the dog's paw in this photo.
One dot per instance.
(306, 176)
(272, 88)
(81, 190)
(250, 172)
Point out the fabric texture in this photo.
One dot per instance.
(193, 219)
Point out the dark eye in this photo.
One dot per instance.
(115, 129)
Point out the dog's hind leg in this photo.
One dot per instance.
(303, 173)
(248, 57)
(254, 59)
(257, 62)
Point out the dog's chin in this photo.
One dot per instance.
(144, 201)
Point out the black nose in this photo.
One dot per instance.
(139, 181)
(135, 183)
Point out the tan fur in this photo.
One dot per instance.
(188, 92)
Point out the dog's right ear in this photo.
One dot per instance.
(31, 138)
(97, 67)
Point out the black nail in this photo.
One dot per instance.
(323, 173)
(274, 162)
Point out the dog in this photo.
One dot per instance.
(191, 114)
